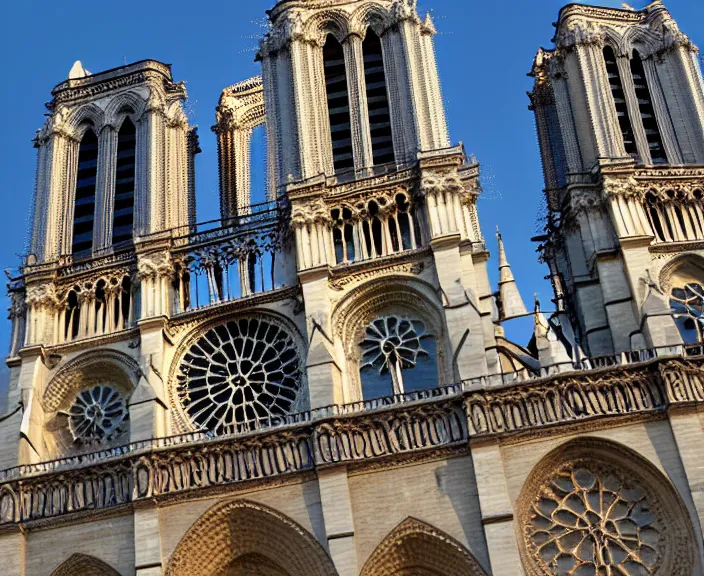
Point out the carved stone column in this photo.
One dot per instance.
(359, 111)
(403, 119)
(662, 113)
(603, 114)
(436, 106)
(624, 69)
(570, 137)
(105, 187)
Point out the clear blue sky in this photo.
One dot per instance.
(484, 51)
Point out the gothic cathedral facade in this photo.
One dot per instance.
(320, 384)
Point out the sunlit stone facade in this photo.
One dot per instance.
(320, 384)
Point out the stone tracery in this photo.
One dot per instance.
(588, 520)
(97, 415)
(239, 375)
(593, 507)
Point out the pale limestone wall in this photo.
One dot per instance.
(442, 494)
(111, 541)
(299, 501)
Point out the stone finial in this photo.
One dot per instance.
(77, 71)
(512, 305)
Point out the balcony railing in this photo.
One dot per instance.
(224, 260)
(494, 384)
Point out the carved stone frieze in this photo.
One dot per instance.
(362, 275)
(177, 466)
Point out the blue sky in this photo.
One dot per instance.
(484, 51)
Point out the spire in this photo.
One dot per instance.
(551, 349)
(512, 304)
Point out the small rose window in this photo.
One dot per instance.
(398, 355)
(97, 416)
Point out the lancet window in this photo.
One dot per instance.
(338, 104)
(647, 111)
(398, 356)
(123, 215)
(377, 100)
(84, 206)
(619, 97)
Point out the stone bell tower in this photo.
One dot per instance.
(619, 107)
(115, 181)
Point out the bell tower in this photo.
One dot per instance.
(103, 178)
(619, 108)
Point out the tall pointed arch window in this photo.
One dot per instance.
(84, 207)
(619, 97)
(647, 111)
(377, 100)
(123, 214)
(338, 104)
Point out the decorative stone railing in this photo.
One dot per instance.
(444, 419)
(221, 260)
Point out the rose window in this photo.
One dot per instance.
(239, 374)
(588, 521)
(391, 349)
(687, 306)
(97, 415)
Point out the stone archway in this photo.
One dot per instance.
(414, 548)
(241, 538)
(595, 506)
(83, 565)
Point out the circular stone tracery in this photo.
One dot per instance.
(392, 341)
(238, 374)
(590, 521)
(97, 415)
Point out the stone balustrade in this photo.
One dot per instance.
(414, 425)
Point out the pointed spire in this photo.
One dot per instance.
(512, 304)
(551, 350)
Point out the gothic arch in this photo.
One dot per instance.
(613, 39)
(89, 367)
(596, 503)
(115, 112)
(415, 548)
(641, 39)
(683, 266)
(404, 296)
(236, 533)
(82, 565)
(334, 22)
(372, 16)
(83, 117)
(406, 292)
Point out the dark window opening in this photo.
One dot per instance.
(647, 111)
(338, 105)
(377, 101)
(123, 216)
(619, 97)
(84, 207)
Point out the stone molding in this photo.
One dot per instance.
(178, 466)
